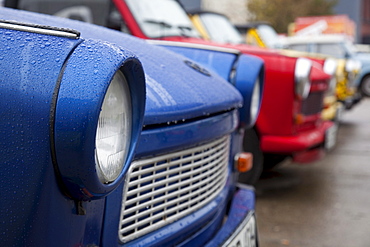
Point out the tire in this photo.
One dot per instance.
(272, 160)
(365, 86)
(251, 143)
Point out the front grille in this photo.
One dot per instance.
(313, 104)
(163, 189)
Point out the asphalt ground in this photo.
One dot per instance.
(325, 203)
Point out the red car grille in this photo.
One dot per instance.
(314, 104)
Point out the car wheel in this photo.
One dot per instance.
(365, 86)
(251, 143)
(272, 160)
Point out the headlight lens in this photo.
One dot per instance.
(302, 77)
(255, 101)
(353, 66)
(113, 133)
(330, 66)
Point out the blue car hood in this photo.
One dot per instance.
(177, 89)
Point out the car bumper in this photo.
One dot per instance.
(302, 142)
(240, 228)
(349, 102)
(333, 109)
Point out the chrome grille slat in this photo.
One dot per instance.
(161, 190)
(155, 184)
(170, 196)
(197, 183)
(160, 215)
(169, 188)
(173, 171)
(176, 162)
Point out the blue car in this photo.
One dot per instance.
(239, 69)
(110, 141)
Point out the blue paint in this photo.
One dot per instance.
(168, 94)
(248, 69)
(39, 191)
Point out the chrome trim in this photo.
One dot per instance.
(330, 66)
(163, 189)
(40, 29)
(194, 45)
(302, 72)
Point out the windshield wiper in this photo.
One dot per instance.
(161, 23)
(182, 29)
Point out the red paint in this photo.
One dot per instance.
(276, 125)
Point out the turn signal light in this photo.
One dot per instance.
(299, 119)
(244, 161)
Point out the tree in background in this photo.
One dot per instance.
(279, 13)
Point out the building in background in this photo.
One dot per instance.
(359, 11)
(191, 4)
(353, 10)
(235, 10)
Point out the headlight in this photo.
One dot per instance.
(249, 80)
(330, 66)
(353, 66)
(302, 77)
(255, 101)
(113, 133)
(98, 117)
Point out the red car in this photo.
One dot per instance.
(289, 123)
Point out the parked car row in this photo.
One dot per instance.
(111, 139)
(353, 68)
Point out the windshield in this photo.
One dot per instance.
(92, 11)
(220, 29)
(332, 49)
(161, 18)
(269, 36)
(338, 50)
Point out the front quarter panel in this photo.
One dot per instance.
(276, 114)
(249, 69)
(35, 66)
(30, 64)
(85, 80)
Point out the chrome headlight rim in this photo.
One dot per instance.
(255, 103)
(302, 77)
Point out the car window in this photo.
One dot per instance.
(332, 49)
(298, 47)
(269, 36)
(161, 18)
(92, 11)
(220, 29)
